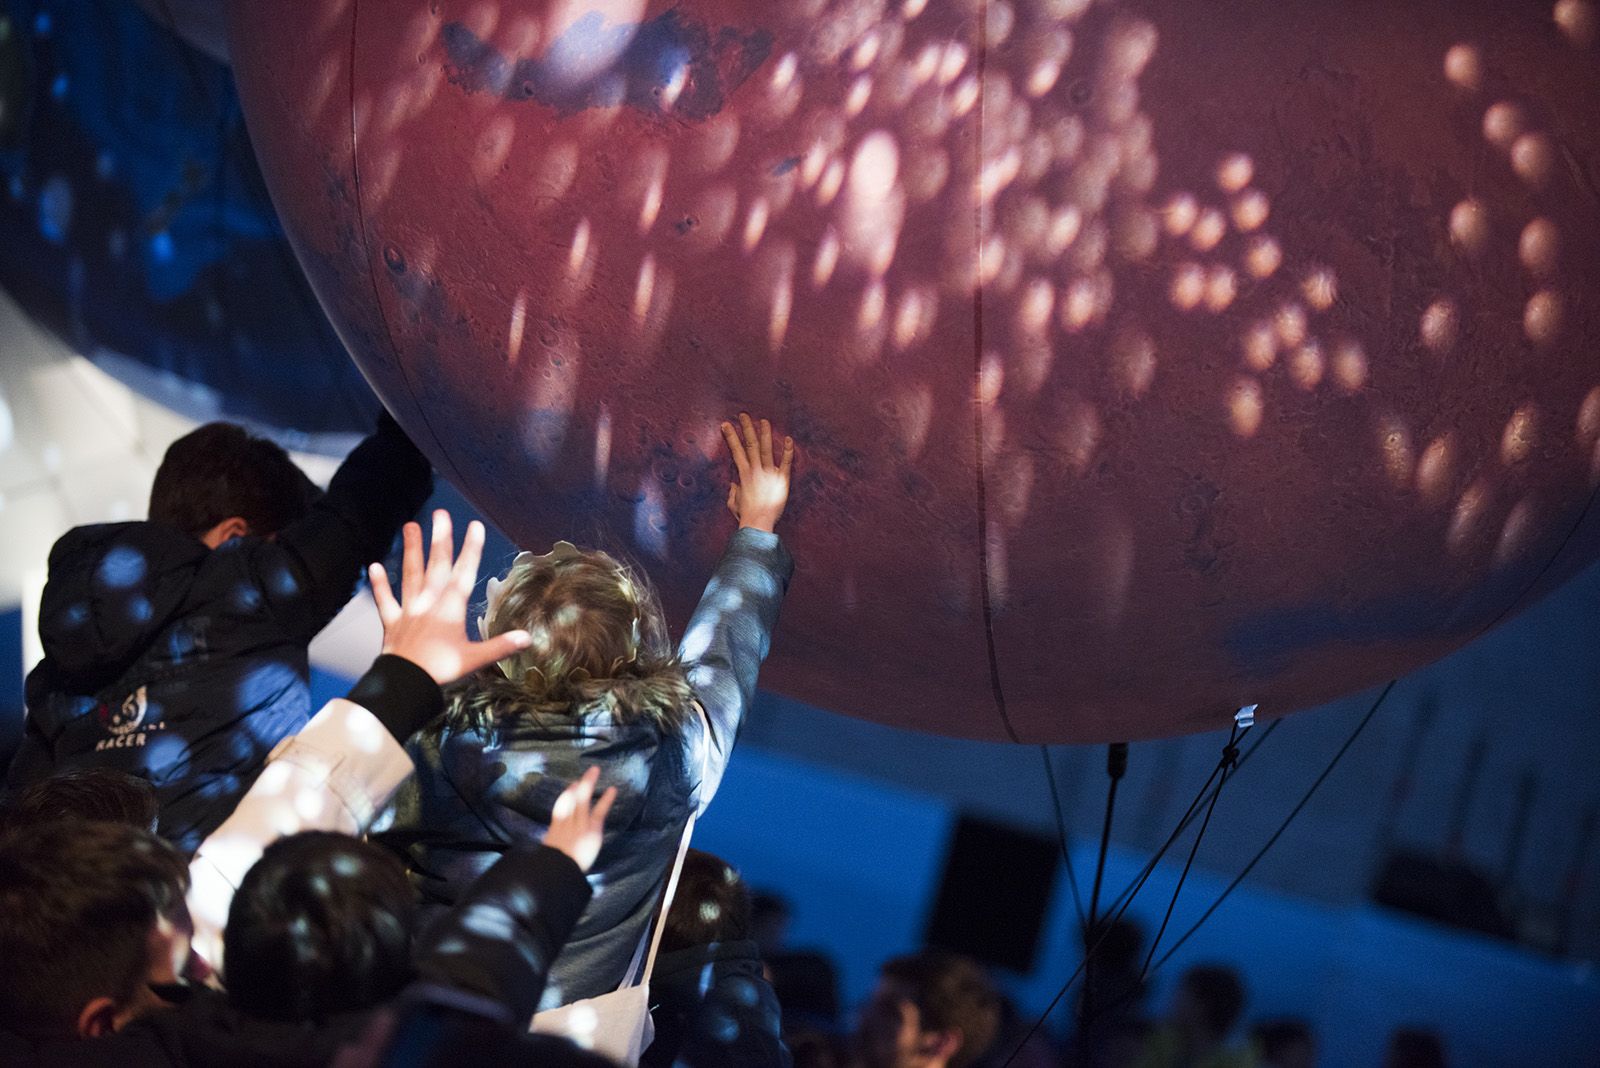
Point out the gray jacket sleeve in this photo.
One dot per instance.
(724, 644)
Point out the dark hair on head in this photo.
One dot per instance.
(85, 794)
(712, 905)
(599, 635)
(221, 470)
(78, 902)
(950, 992)
(320, 925)
(1219, 992)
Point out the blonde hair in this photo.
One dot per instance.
(598, 634)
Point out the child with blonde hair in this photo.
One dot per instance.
(600, 685)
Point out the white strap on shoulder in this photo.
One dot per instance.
(683, 850)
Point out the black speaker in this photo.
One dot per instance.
(995, 892)
(1450, 892)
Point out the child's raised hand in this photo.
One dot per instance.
(428, 626)
(757, 497)
(576, 825)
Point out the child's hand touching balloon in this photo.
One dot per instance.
(761, 490)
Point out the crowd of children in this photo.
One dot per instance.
(482, 853)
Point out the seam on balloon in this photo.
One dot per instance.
(996, 688)
(372, 274)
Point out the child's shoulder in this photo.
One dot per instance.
(124, 556)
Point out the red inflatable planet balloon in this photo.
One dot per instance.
(1146, 359)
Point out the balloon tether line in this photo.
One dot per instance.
(1138, 883)
(1061, 838)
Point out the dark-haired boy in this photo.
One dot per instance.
(932, 1009)
(103, 794)
(91, 913)
(175, 648)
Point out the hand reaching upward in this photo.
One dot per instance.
(578, 821)
(428, 626)
(761, 490)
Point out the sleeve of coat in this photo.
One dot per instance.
(725, 642)
(500, 939)
(337, 774)
(310, 571)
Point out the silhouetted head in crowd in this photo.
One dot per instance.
(812, 1048)
(321, 925)
(932, 1009)
(769, 917)
(1284, 1044)
(712, 905)
(103, 794)
(598, 632)
(807, 985)
(1414, 1047)
(1113, 990)
(1209, 1001)
(1118, 946)
(220, 482)
(91, 915)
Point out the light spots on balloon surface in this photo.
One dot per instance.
(1434, 470)
(941, 237)
(1578, 20)
(1463, 66)
(1440, 326)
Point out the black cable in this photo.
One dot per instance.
(1282, 826)
(1194, 806)
(1061, 838)
(1119, 905)
(1114, 914)
(1116, 768)
(1230, 757)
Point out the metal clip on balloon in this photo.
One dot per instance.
(1243, 720)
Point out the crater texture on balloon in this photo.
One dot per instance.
(1146, 359)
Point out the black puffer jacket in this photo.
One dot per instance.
(186, 665)
(714, 1008)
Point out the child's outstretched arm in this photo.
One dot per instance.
(310, 570)
(731, 630)
(500, 939)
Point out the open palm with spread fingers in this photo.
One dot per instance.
(428, 625)
(759, 494)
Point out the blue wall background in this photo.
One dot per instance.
(861, 861)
